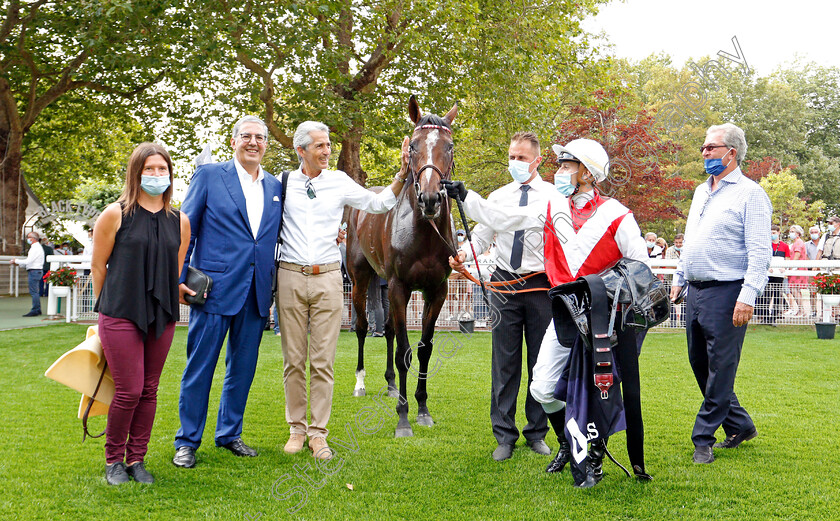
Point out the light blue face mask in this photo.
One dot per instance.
(715, 166)
(519, 170)
(154, 184)
(774, 236)
(563, 184)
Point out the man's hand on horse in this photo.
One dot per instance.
(458, 264)
(454, 189)
(404, 157)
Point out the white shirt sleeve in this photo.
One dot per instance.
(629, 239)
(482, 238)
(513, 218)
(35, 257)
(363, 199)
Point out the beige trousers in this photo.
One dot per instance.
(309, 303)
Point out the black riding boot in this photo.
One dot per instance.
(564, 453)
(594, 467)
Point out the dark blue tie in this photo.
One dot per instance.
(516, 250)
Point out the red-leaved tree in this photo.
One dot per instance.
(639, 158)
(756, 170)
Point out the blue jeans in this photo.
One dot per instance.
(35, 277)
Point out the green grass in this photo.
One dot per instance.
(787, 380)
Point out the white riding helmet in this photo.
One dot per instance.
(590, 153)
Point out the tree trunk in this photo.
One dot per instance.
(13, 198)
(348, 159)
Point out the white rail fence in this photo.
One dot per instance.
(791, 302)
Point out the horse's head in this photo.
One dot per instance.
(431, 157)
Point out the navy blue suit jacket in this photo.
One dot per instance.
(221, 242)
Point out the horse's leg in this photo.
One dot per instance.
(360, 291)
(431, 309)
(399, 295)
(389, 363)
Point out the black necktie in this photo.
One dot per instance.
(516, 250)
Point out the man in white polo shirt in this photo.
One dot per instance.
(309, 286)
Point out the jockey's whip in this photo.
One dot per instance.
(475, 257)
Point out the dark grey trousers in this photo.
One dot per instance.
(714, 350)
(515, 316)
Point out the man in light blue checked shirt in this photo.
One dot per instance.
(724, 260)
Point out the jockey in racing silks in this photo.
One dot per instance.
(584, 232)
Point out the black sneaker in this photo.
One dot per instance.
(115, 473)
(139, 473)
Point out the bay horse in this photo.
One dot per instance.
(409, 247)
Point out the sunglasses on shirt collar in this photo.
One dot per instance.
(310, 192)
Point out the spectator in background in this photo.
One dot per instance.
(652, 248)
(141, 242)
(660, 242)
(772, 295)
(44, 288)
(673, 253)
(812, 250)
(797, 283)
(829, 247)
(378, 304)
(34, 265)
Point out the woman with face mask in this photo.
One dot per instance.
(139, 246)
(797, 284)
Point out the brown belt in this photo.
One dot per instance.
(314, 269)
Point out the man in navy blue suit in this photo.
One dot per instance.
(234, 210)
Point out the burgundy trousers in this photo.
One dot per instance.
(136, 361)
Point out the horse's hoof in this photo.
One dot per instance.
(403, 432)
(359, 392)
(393, 393)
(425, 420)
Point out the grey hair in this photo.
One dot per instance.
(650, 233)
(302, 137)
(798, 229)
(248, 119)
(812, 228)
(733, 137)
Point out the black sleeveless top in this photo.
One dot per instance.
(141, 283)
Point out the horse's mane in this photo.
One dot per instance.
(431, 119)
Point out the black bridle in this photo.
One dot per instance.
(415, 174)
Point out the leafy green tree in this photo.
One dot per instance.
(353, 64)
(784, 188)
(78, 139)
(49, 49)
(639, 160)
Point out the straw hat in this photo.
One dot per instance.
(80, 369)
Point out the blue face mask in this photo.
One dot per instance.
(815, 236)
(678, 248)
(519, 170)
(154, 184)
(715, 166)
(563, 184)
(774, 236)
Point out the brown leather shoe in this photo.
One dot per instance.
(320, 449)
(295, 443)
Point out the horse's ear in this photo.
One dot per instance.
(450, 116)
(413, 109)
